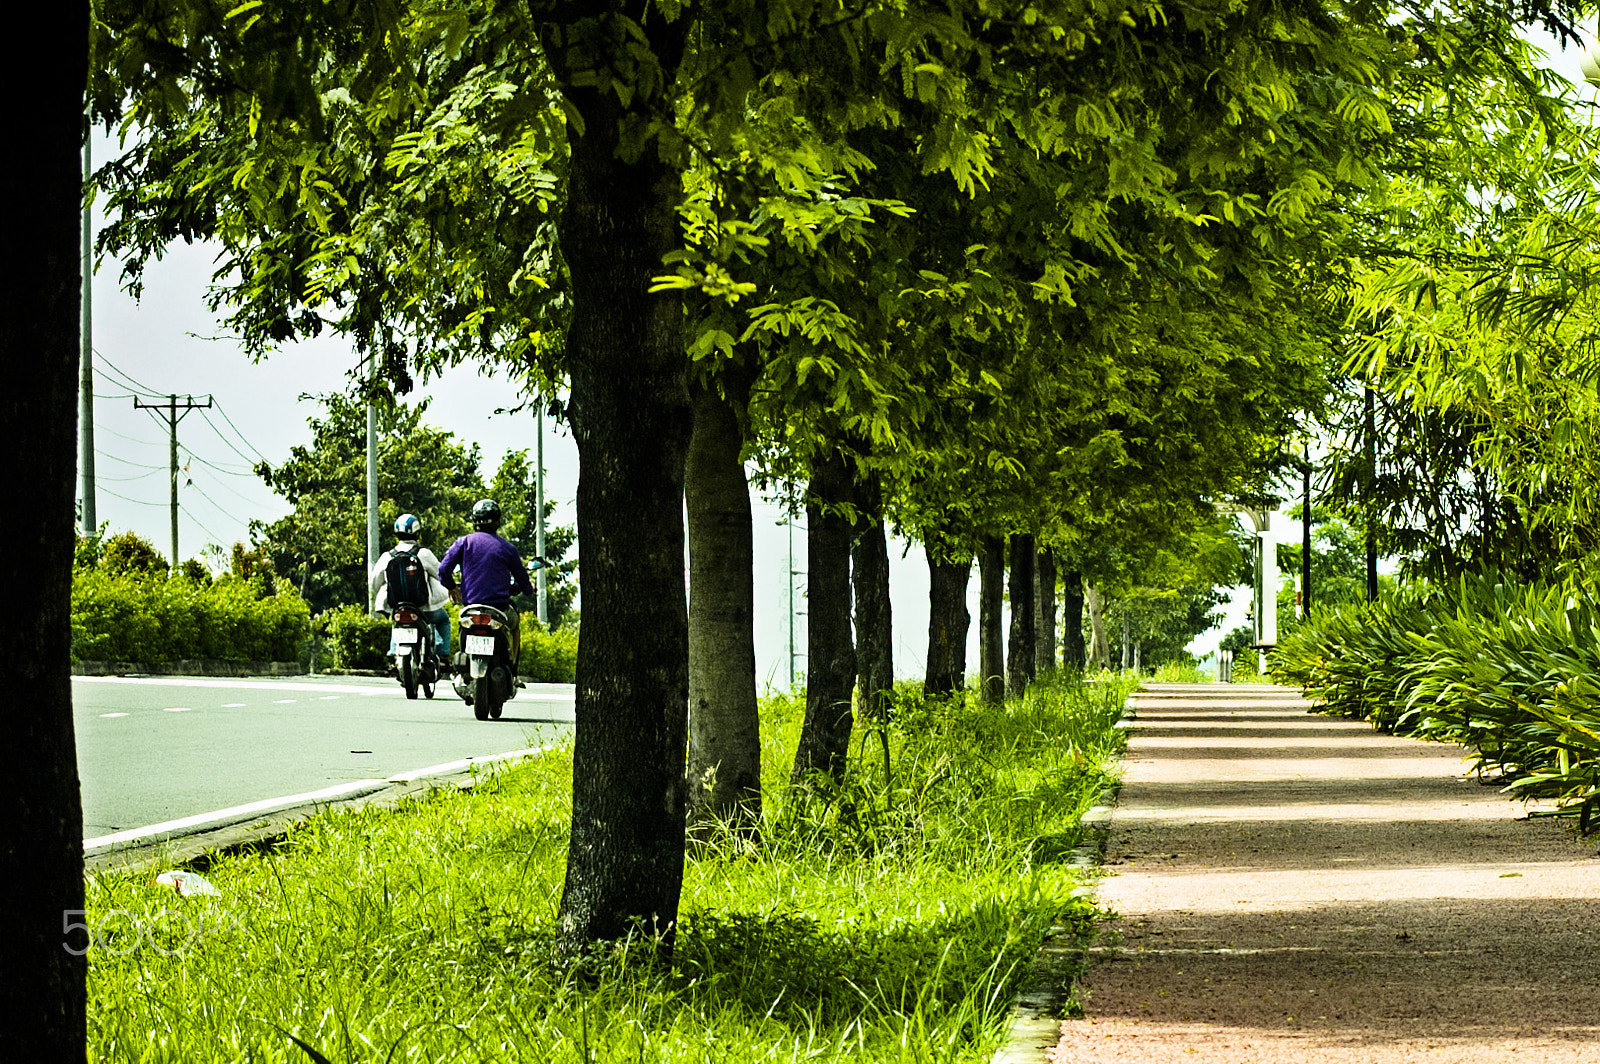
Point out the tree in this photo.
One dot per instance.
(41, 856)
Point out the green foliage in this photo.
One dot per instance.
(895, 932)
(355, 638)
(1509, 669)
(129, 552)
(145, 617)
(548, 656)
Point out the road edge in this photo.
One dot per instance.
(232, 832)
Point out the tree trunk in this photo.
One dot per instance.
(830, 652)
(991, 644)
(1072, 649)
(724, 721)
(874, 623)
(39, 306)
(631, 419)
(1044, 613)
(948, 621)
(1099, 647)
(1019, 655)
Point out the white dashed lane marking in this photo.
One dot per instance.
(233, 705)
(113, 714)
(177, 709)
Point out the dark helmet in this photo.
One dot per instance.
(486, 515)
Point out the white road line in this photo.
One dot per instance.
(177, 709)
(326, 794)
(113, 714)
(242, 685)
(284, 701)
(541, 692)
(233, 705)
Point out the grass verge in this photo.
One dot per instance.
(887, 919)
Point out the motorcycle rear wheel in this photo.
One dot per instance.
(483, 698)
(408, 674)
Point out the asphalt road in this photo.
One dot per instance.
(157, 749)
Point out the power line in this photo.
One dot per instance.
(126, 480)
(127, 381)
(136, 502)
(125, 436)
(215, 466)
(236, 494)
(124, 461)
(239, 434)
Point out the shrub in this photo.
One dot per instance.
(548, 657)
(129, 552)
(141, 616)
(356, 640)
(1511, 670)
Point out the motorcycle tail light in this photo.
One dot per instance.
(405, 617)
(482, 620)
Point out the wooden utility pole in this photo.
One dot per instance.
(174, 415)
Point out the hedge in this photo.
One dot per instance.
(147, 618)
(1507, 668)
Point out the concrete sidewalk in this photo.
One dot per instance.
(1293, 887)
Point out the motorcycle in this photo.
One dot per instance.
(485, 676)
(415, 661)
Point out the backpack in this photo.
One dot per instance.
(407, 580)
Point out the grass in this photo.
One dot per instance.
(882, 920)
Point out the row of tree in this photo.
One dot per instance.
(1003, 276)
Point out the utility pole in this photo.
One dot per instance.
(1305, 535)
(91, 523)
(173, 417)
(372, 469)
(538, 480)
(1371, 492)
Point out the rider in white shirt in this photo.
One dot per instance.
(407, 530)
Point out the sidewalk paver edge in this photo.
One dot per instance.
(1036, 1011)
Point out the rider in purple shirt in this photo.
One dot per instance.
(491, 568)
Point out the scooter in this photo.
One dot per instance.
(485, 676)
(415, 661)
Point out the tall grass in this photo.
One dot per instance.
(884, 919)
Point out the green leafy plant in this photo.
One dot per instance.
(355, 639)
(1510, 669)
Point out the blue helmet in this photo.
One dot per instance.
(408, 526)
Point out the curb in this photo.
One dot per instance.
(262, 824)
(1036, 1011)
(188, 667)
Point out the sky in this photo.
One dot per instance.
(169, 343)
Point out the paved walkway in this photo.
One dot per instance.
(1294, 887)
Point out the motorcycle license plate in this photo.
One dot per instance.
(406, 636)
(480, 644)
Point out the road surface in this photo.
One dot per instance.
(156, 749)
